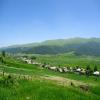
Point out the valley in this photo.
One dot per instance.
(39, 83)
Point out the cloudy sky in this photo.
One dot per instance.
(26, 21)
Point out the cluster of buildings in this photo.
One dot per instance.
(77, 70)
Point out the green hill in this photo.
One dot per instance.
(80, 46)
(31, 82)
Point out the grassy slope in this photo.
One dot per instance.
(45, 90)
(70, 60)
(35, 70)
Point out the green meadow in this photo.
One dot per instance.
(46, 84)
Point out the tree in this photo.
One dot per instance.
(88, 70)
(0, 59)
(3, 61)
(33, 58)
(95, 68)
(3, 53)
(88, 67)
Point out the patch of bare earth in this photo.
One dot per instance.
(64, 81)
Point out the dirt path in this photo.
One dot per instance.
(55, 79)
(65, 81)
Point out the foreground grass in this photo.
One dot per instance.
(44, 90)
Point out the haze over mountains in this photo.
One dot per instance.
(80, 46)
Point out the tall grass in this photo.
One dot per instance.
(44, 90)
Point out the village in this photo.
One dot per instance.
(76, 70)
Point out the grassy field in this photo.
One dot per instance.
(49, 85)
(44, 90)
(70, 60)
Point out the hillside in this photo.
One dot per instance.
(80, 46)
(32, 82)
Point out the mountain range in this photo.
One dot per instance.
(80, 46)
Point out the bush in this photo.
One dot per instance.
(8, 81)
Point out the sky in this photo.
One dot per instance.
(27, 21)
